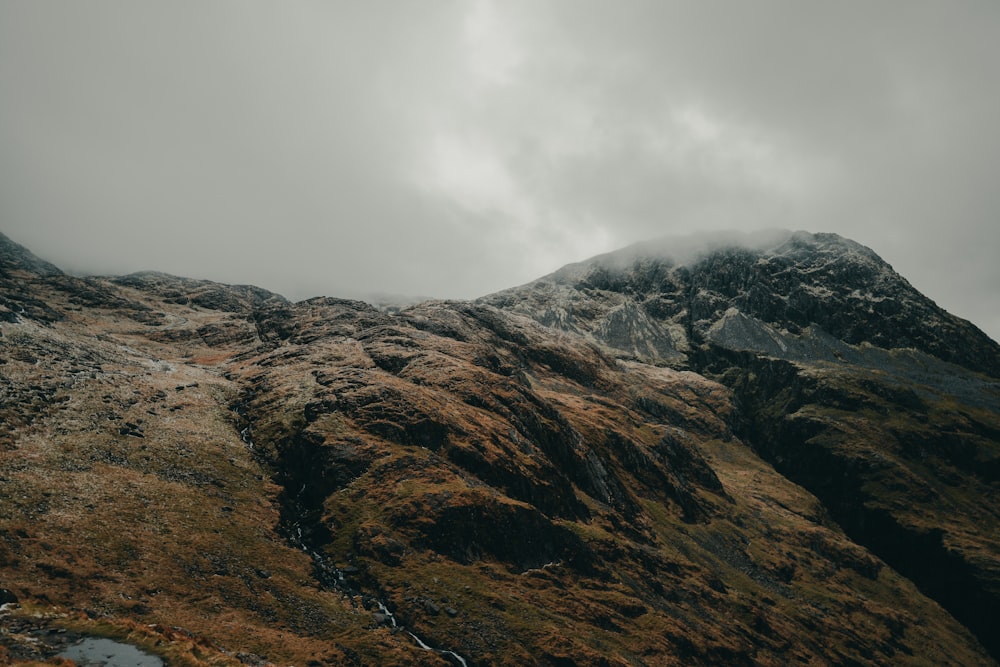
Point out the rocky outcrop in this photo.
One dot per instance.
(202, 293)
(16, 258)
(655, 301)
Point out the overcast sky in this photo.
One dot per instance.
(455, 148)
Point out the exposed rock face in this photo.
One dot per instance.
(659, 301)
(512, 480)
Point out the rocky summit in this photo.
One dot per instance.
(763, 451)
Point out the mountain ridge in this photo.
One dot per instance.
(689, 283)
(321, 482)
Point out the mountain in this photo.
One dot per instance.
(796, 296)
(767, 451)
(849, 381)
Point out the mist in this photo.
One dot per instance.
(454, 149)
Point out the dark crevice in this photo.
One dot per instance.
(308, 472)
(767, 391)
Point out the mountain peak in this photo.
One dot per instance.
(660, 301)
(689, 249)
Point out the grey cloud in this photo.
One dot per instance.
(342, 147)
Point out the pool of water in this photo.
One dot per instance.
(101, 652)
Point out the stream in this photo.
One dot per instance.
(329, 575)
(332, 578)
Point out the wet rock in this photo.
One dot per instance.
(252, 659)
(134, 430)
